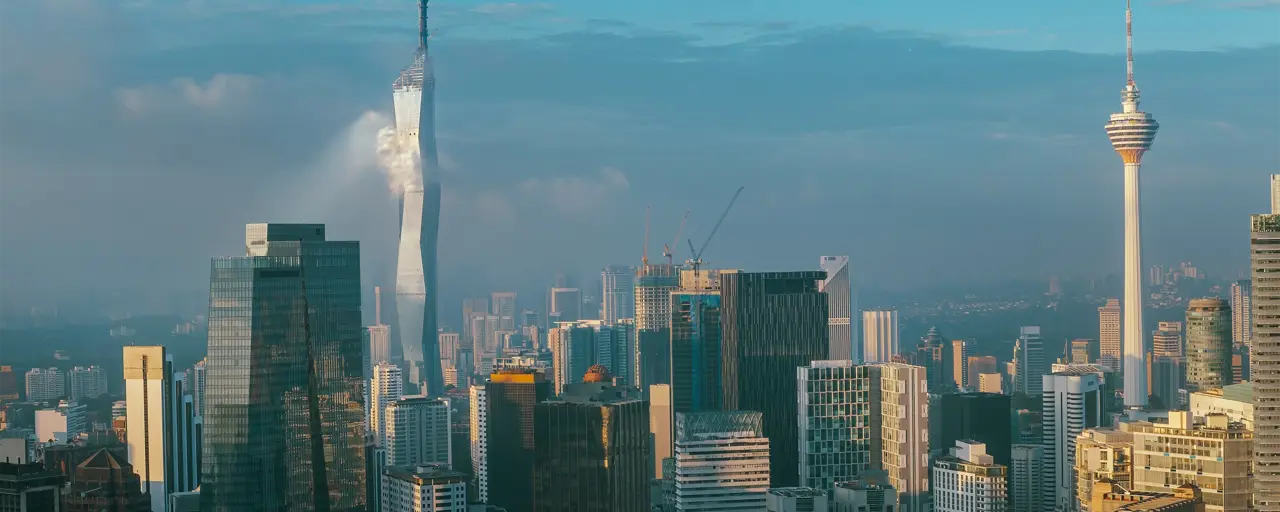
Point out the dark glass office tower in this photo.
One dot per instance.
(592, 446)
(772, 323)
(984, 417)
(511, 396)
(284, 390)
(695, 352)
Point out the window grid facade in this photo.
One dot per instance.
(835, 411)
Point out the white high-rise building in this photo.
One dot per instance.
(835, 401)
(879, 336)
(1110, 348)
(386, 387)
(479, 442)
(449, 345)
(379, 343)
(196, 383)
(1265, 357)
(417, 431)
(619, 293)
(424, 488)
(1072, 402)
(88, 382)
(840, 307)
(1029, 358)
(721, 461)
(969, 480)
(161, 424)
(60, 424)
(1167, 340)
(1241, 312)
(46, 384)
(1026, 478)
(904, 418)
(1131, 132)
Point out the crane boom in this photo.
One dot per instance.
(644, 260)
(668, 250)
(720, 221)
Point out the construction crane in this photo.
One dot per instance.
(667, 250)
(696, 262)
(644, 259)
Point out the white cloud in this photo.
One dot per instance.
(223, 90)
(512, 9)
(577, 194)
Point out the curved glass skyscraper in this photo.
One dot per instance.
(413, 94)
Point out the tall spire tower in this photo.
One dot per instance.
(413, 94)
(1131, 132)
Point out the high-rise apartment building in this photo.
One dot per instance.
(696, 351)
(511, 396)
(504, 307)
(619, 293)
(45, 384)
(1241, 321)
(573, 351)
(1082, 351)
(449, 345)
(1026, 478)
(1072, 402)
(87, 383)
(1208, 343)
(281, 428)
(197, 379)
(960, 364)
(8, 383)
(1030, 362)
(841, 303)
(879, 336)
(1167, 339)
(386, 387)
(164, 437)
(772, 323)
(1264, 253)
(980, 417)
(616, 348)
(417, 431)
(1110, 350)
(969, 480)
(721, 460)
(423, 488)
(478, 432)
(592, 446)
(1102, 454)
(566, 304)
(1215, 456)
(904, 413)
(837, 439)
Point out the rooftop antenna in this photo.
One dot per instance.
(422, 25)
(1128, 39)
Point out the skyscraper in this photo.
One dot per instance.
(573, 351)
(835, 407)
(162, 435)
(1264, 242)
(1221, 465)
(661, 425)
(45, 384)
(1029, 359)
(197, 377)
(1131, 132)
(983, 417)
(282, 429)
(934, 354)
(417, 431)
(424, 488)
(772, 323)
(696, 354)
(88, 382)
(566, 304)
(413, 95)
(1167, 340)
(879, 335)
(479, 434)
(1110, 349)
(619, 293)
(904, 413)
(1241, 321)
(1071, 403)
(653, 287)
(386, 387)
(1026, 478)
(504, 307)
(960, 364)
(840, 307)
(592, 448)
(1208, 343)
(969, 479)
(721, 459)
(1102, 454)
(511, 397)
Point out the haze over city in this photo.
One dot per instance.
(932, 146)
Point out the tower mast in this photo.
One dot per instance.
(422, 26)
(1128, 40)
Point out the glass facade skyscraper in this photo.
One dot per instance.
(773, 323)
(284, 396)
(695, 352)
(510, 398)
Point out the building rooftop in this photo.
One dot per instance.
(429, 474)
(797, 492)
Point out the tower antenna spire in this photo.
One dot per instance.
(421, 24)
(1128, 38)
